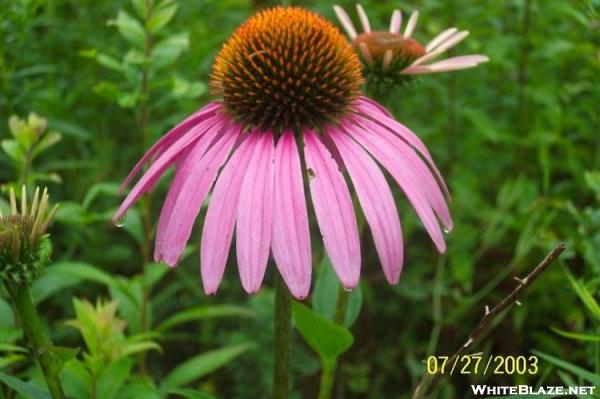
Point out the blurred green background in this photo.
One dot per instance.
(517, 139)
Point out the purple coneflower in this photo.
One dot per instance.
(394, 53)
(290, 110)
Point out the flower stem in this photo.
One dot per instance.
(281, 341)
(40, 346)
(330, 365)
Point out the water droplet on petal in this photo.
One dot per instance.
(446, 231)
(347, 289)
(120, 222)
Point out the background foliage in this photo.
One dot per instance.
(517, 139)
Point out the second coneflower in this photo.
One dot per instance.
(290, 109)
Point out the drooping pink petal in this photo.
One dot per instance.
(396, 21)
(422, 174)
(450, 42)
(345, 21)
(220, 217)
(440, 38)
(455, 63)
(334, 210)
(184, 169)
(166, 159)
(291, 237)
(186, 206)
(169, 138)
(366, 107)
(400, 170)
(377, 203)
(255, 215)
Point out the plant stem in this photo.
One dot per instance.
(147, 211)
(327, 378)
(428, 383)
(281, 341)
(40, 346)
(330, 365)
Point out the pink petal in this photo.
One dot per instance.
(220, 217)
(396, 21)
(345, 21)
(334, 210)
(166, 159)
(411, 24)
(291, 237)
(185, 167)
(440, 38)
(450, 42)
(377, 203)
(186, 205)
(386, 120)
(255, 214)
(169, 138)
(401, 170)
(421, 172)
(364, 19)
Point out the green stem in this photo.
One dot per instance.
(281, 342)
(327, 378)
(330, 365)
(40, 346)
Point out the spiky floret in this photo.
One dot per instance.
(286, 67)
(23, 251)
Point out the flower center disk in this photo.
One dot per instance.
(286, 67)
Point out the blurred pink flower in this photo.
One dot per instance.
(257, 177)
(393, 47)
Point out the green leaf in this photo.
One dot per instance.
(153, 273)
(140, 8)
(190, 394)
(202, 365)
(112, 378)
(327, 291)
(130, 28)
(578, 371)
(13, 150)
(46, 142)
(168, 50)
(5, 347)
(204, 312)
(109, 62)
(61, 355)
(24, 388)
(585, 296)
(162, 15)
(136, 347)
(82, 271)
(577, 336)
(7, 318)
(325, 337)
(51, 282)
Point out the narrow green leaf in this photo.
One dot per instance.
(204, 312)
(578, 371)
(576, 336)
(202, 365)
(585, 296)
(46, 142)
(168, 50)
(112, 378)
(140, 8)
(82, 271)
(323, 336)
(24, 388)
(190, 394)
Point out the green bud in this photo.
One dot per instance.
(24, 245)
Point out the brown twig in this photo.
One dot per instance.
(423, 389)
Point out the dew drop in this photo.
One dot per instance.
(446, 231)
(311, 174)
(347, 289)
(120, 222)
